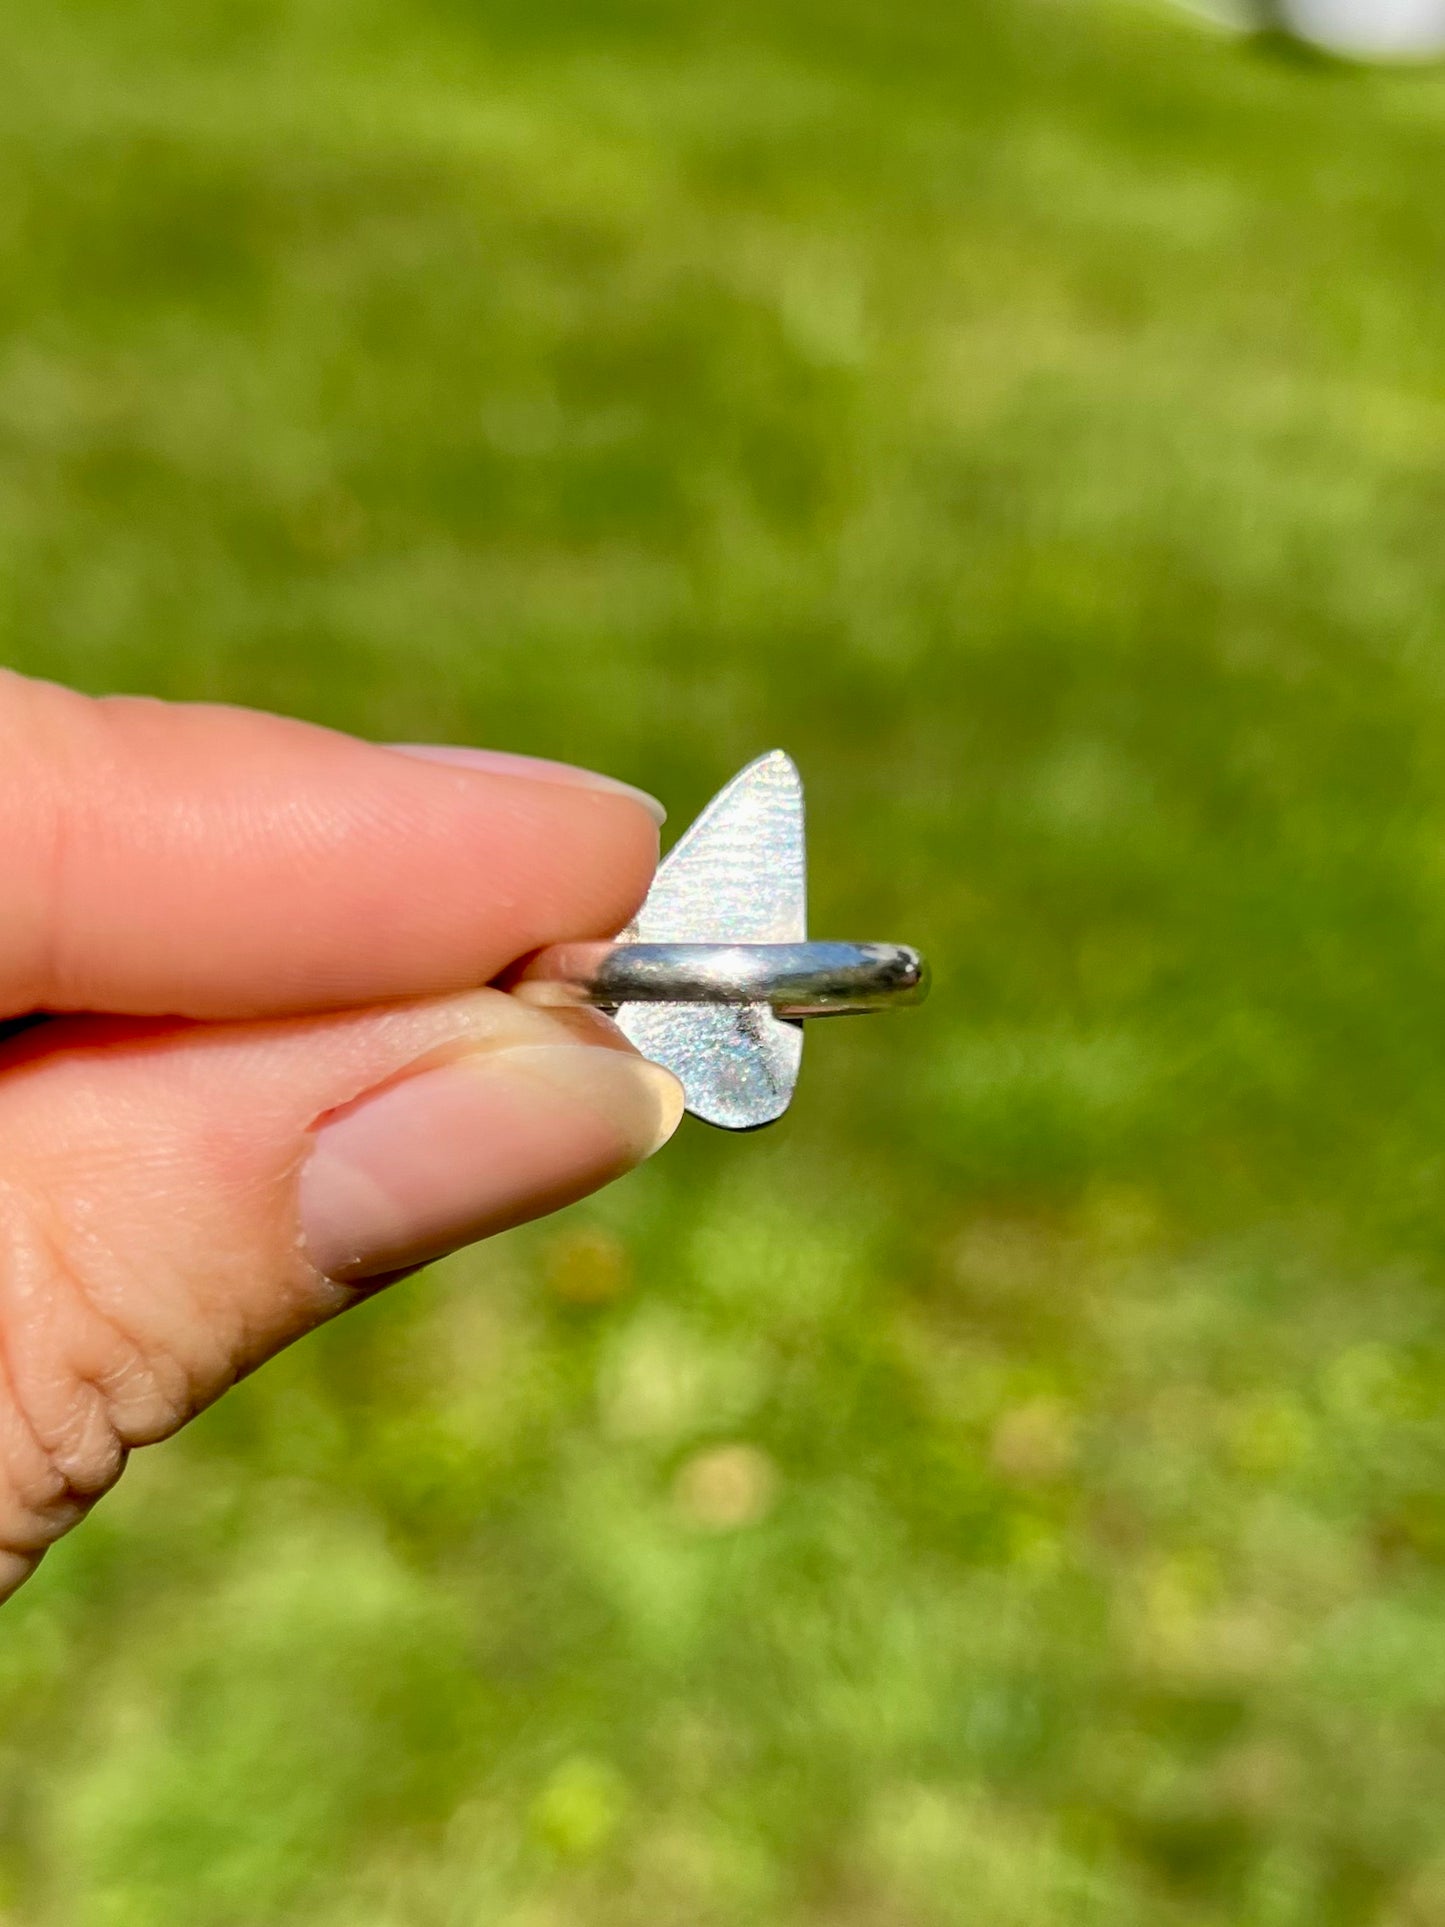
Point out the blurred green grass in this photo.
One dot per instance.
(1013, 1491)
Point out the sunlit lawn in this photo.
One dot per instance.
(1012, 1492)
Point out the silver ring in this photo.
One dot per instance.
(791, 979)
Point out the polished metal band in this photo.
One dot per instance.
(792, 979)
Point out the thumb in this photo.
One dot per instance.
(181, 1201)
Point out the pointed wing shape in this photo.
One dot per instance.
(737, 1064)
(738, 875)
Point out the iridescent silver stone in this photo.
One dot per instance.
(715, 975)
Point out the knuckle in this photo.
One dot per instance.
(76, 1391)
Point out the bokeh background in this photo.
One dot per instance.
(1013, 1490)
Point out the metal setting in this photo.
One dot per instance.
(792, 979)
(714, 975)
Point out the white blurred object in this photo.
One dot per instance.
(1368, 29)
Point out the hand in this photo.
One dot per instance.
(284, 1089)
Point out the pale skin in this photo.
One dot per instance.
(278, 1084)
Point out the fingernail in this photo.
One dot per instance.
(502, 762)
(457, 1152)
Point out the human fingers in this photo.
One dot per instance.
(178, 1202)
(198, 860)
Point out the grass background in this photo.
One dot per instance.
(1012, 1491)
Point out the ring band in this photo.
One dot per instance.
(792, 979)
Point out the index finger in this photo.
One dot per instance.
(205, 861)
